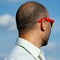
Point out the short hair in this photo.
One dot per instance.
(29, 13)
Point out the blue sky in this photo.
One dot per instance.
(9, 34)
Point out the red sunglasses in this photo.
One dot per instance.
(47, 19)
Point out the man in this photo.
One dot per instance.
(34, 28)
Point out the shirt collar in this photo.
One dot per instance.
(29, 46)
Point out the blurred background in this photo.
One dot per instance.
(9, 33)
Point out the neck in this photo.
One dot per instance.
(32, 38)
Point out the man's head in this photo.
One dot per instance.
(27, 18)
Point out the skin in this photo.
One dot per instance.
(37, 36)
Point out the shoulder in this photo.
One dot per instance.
(22, 57)
(18, 53)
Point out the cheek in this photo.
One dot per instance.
(48, 32)
(48, 29)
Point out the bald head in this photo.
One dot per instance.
(28, 14)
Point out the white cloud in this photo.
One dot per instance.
(12, 28)
(4, 20)
(51, 46)
(51, 53)
(8, 21)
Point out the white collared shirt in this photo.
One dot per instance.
(24, 50)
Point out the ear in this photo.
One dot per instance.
(43, 25)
